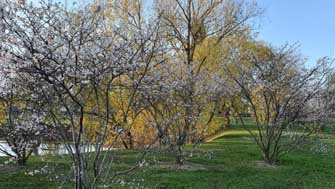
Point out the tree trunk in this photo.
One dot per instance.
(21, 158)
(130, 140)
(79, 181)
(179, 160)
(125, 144)
(271, 160)
(179, 156)
(21, 161)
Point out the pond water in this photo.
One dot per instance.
(48, 148)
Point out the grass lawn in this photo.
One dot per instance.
(232, 161)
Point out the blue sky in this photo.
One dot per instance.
(308, 22)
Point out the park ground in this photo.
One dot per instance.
(231, 160)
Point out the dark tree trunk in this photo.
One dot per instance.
(179, 156)
(130, 140)
(21, 161)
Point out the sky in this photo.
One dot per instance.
(311, 23)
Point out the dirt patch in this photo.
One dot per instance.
(187, 166)
(262, 164)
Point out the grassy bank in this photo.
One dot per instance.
(232, 161)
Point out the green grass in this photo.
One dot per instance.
(232, 161)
